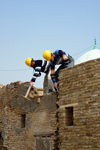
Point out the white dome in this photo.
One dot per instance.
(90, 55)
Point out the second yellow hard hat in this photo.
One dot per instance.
(47, 55)
(28, 61)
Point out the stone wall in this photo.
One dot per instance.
(28, 124)
(79, 107)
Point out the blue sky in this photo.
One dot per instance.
(28, 27)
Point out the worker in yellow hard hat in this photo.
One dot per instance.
(38, 66)
(56, 58)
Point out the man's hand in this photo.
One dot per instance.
(31, 83)
(55, 85)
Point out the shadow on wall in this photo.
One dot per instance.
(1, 143)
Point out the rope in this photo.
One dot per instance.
(16, 70)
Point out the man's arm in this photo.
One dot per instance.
(36, 74)
(47, 68)
(53, 77)
(53, 74)
(64, 57)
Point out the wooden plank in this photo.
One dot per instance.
(69, 105)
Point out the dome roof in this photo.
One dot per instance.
(90, 55)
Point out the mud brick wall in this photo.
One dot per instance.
(28, 125)
(79, 107)
(2, 94)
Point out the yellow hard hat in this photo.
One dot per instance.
(47, 55)
(28, 61)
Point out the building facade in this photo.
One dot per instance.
(79, 107)
(27, 124)
(67, 120)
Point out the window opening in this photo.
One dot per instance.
(69, 116)
(0, 135)
(23, 120)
